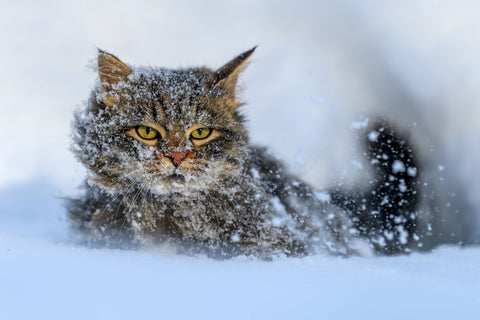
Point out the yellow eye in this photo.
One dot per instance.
(147, 133)
(201, 133)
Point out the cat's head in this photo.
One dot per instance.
(162, 130)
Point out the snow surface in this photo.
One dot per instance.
(321, 69)
(45, 280)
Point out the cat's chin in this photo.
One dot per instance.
(176, 178)
(177, 183)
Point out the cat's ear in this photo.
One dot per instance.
(111, 71)
(227, 76)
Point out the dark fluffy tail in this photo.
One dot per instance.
(385, 214)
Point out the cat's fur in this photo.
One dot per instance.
(219, 196)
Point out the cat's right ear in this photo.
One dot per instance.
(227, 76)
(111, 71)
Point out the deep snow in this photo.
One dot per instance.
(45, 280)
(44, 276)
(321, 68)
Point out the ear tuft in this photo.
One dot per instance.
(227, 76)
(111, 70)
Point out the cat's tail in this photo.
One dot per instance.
(386, 212)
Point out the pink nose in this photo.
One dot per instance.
(176, 157)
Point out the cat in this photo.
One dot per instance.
(170, 165)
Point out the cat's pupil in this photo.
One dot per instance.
(147, 130)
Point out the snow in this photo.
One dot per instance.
(373, 136)
(44, 276)
(398, 166)
(321, 69)
(66, 282)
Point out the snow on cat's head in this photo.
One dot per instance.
(162, 130)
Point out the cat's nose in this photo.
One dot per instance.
(176, 157)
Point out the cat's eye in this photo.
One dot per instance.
(201, 133)
(146, 133)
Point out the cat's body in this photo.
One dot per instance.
(170, 164)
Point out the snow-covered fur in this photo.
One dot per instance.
(387, 212)
(170, 164)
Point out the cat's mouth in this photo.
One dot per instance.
(176, 177)
(178, 181)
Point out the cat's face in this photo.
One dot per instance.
(162, 130)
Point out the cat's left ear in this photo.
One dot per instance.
(111, 71)
(227, 76)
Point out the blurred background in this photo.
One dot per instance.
(322, 69)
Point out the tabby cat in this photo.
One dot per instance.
(170, 165)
